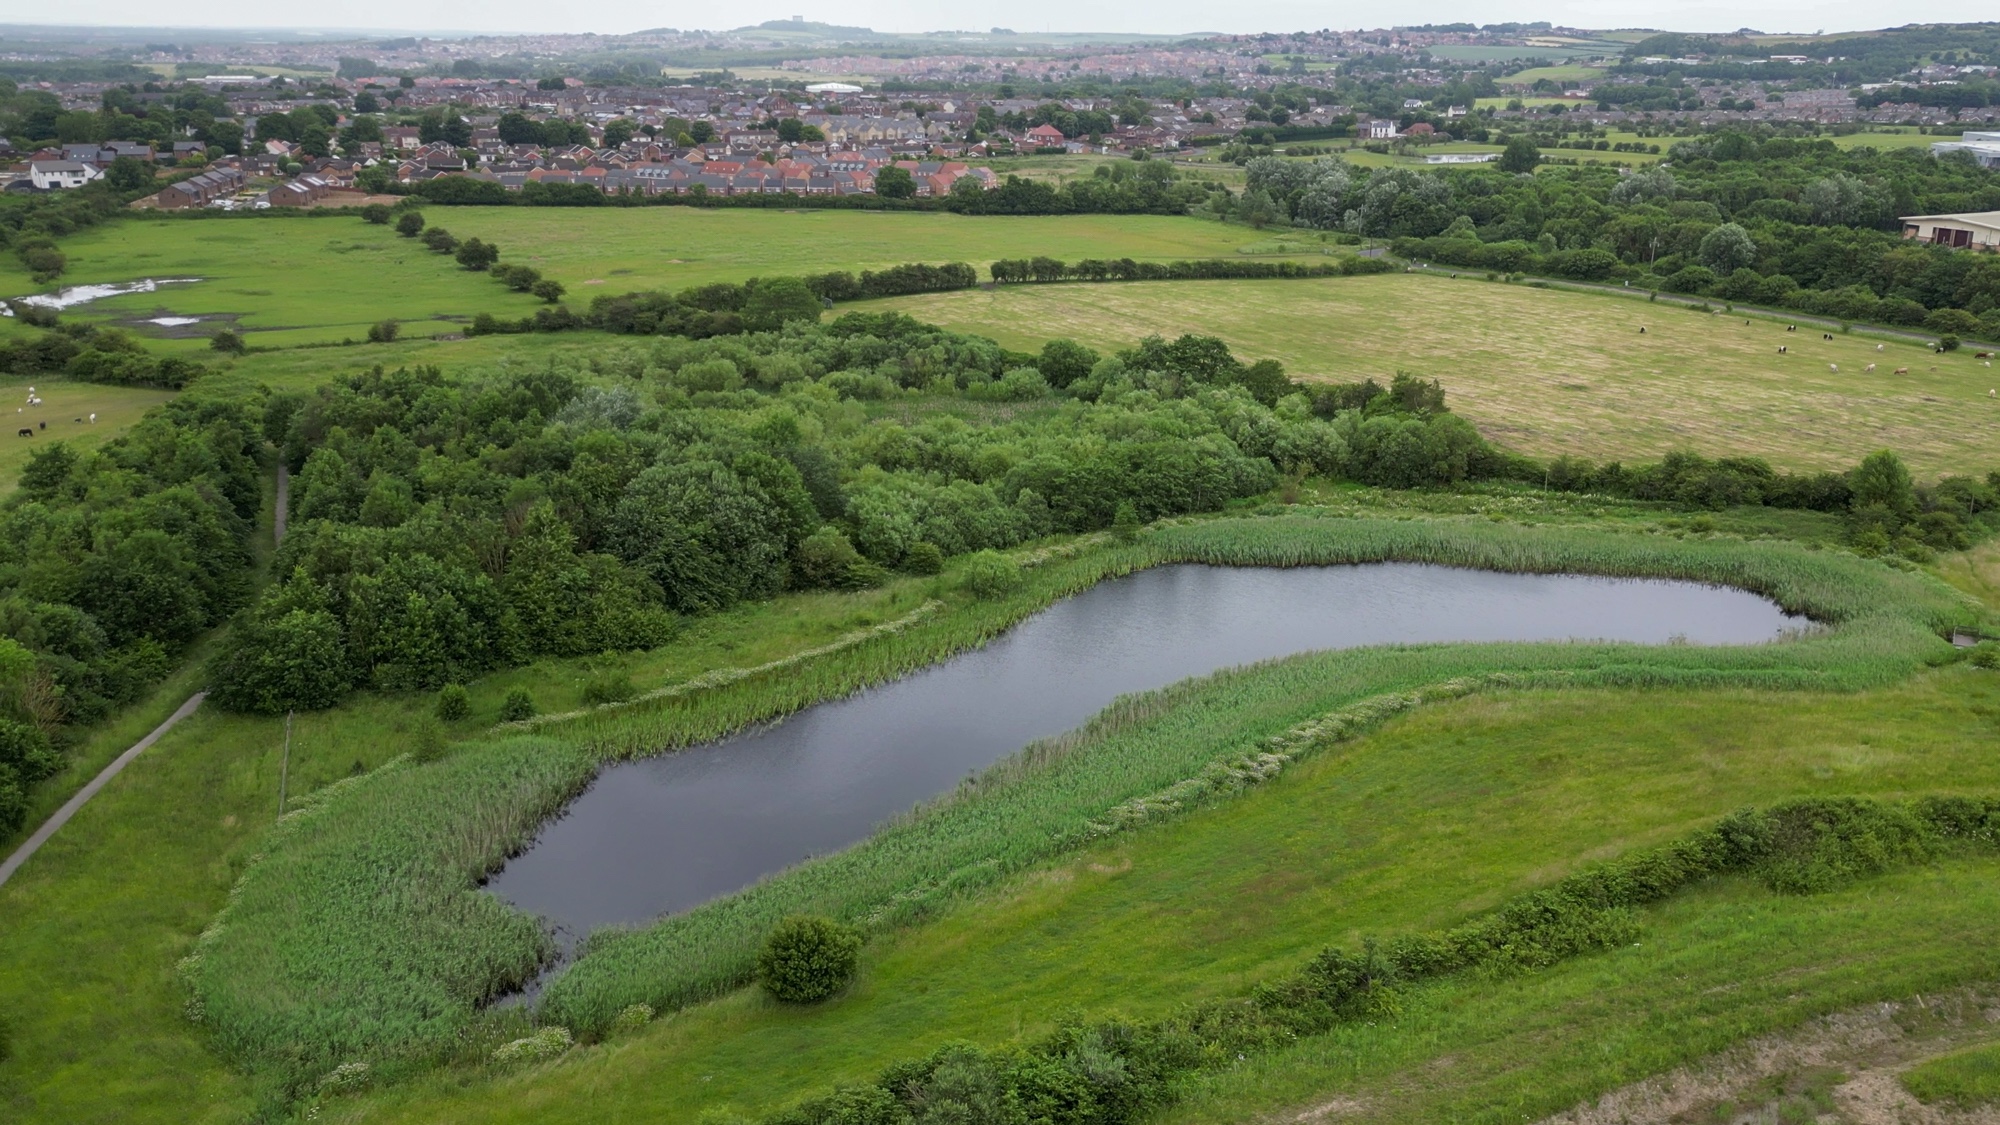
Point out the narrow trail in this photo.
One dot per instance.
(284, 504)
(104, 776)
(69, 809)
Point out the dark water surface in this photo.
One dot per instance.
(664, 834)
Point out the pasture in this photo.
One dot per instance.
(1567, 72)
(1547, 372)
(63, 403)
(287, 281)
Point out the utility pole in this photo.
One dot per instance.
(285, 764)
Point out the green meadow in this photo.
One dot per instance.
(315, 280)
(1547, 372)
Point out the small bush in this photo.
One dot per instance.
(517, 707)
(376, 213)
(923, 558)
(350, 1076)
(226, 341)
(1986, 656)
(427, 742)
(990, 574)
(453, 703)
(543, 1045)
(610, 687)
(808, 958)
(384, 332)
(631, 1018)
(1125, 524)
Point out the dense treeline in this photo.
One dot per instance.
(1113, 1070)
(1742, 217)
(1045, 269)
(441, 529)
(110, 564)
(90, 354)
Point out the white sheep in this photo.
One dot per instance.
(1833, 367)
(1870, 367)
(93, 417)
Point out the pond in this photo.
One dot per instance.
(664, 834)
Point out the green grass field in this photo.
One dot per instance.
(1571, 72)
(1964, 1080)
(1889, 138)
(1547, 372)
(1439, 816)
(63, 402)
(290, 281)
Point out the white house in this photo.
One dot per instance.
(48, 175)
(1975, 230)
(1379, 130)
(1984, 147)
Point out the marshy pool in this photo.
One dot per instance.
(664, 834)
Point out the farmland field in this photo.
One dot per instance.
(1546, 372)
(289, 281)
(63, 402)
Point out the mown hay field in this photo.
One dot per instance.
(1547, 372)
(297, 280)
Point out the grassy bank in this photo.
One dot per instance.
(1544, 372)
(1441, 815)
(1883, 625)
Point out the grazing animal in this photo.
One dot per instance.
(76, 419)
(93, 418)
(1870, 367)
(26, 432)
(1901, 371)
(41, 425)
(1878, 347)
(1781, 349)
(1982, 355)
(1642, 330)
(1833, 367)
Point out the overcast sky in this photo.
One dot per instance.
(1158, 16)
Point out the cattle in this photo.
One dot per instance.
(1901, 371)
(26, 432)
(1642, 330)
(1781, 349)
(1982, 355)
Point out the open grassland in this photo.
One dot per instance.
(1438, 817)
(1889, 137)
(63, 402)
(292, 280)
(1568, 72)
(1546, 372)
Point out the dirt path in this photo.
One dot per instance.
(104, 776)
(1838, 1070)
(284, 504)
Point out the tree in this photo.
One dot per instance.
(1726, 249)
(296, 660)
(774, 302)
(376, 214)
(1520, 155)
(476, 255)
(892, 182)
(808, 958)
(1064, 361)
(227, 341)
(1881, 480)
(702, 132)
(411, 224)
(129, 173)
(617, 131)
(384, 332)
(367, 102)
(548, 289)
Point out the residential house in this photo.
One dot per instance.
(201, 190)
(54, 175)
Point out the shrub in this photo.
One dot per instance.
(227, 341)
(377, 214)
(1125, 524)
(384, 332)
(808, 958)
(1986, 656)
(427, 741)
(923, 557)
(453, 703)
(632, 1018)
(410, 224)
(518, 706)
(548, 289)
(543, 1045)
(608, 687)
(990, 574)
(1948, 343)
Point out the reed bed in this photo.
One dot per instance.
(357, 937)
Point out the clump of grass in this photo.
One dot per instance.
(1966, 1079)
